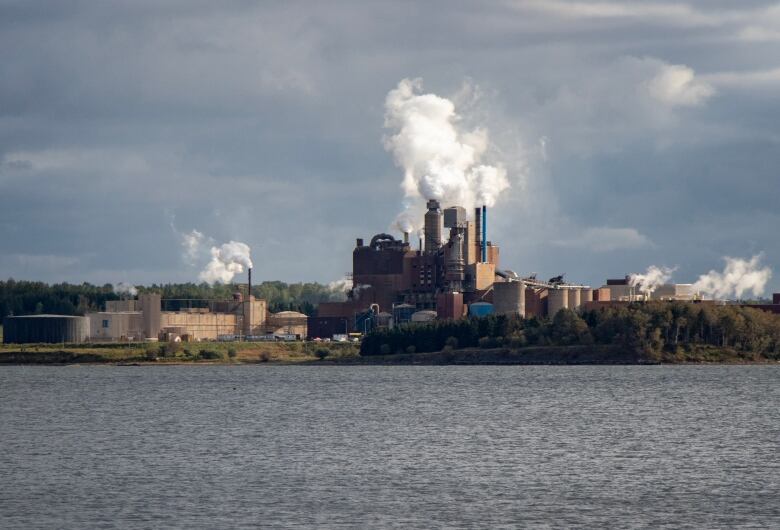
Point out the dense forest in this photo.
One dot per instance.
(652, 328)
(26, 298)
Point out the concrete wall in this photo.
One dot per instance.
(111, 327)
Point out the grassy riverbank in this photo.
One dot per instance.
(347, 354)
(205, 352)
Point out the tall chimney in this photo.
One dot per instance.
(478, 232)
(249, 285)
(484, 233)
(433, 225)
(406, 237)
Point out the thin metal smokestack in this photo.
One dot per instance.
(406, 237)
(484, 233)
(478, 232)
(249, 284)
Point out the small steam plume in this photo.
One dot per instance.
(738, 277)
(652, 279)
(226, 261)
(123, 288)
(407, 222)
(191, 242)
(340, 288)
(439, 161)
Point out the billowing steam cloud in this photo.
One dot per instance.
(439, 161)
(652, 279)
(125, 288)
(226, 261)
(738, 277)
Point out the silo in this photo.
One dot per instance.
(45, 328)
(433, 222)
(574, 298)
(586, 295)
(557, 299)
(509, 298)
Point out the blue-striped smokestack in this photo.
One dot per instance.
(484, 234)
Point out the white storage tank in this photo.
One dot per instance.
(424, 316)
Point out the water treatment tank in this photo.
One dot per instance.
(509, 298)
(557, 299)
(481, 309)
(574, 298)
(45, 328)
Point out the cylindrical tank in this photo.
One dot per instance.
(424, 316)
(481, 309)
(383, 319)
(574, 298)
(403, 313)
(586, 295)
(509, 298)
(433, 226)
(45, 328)
(557, 299)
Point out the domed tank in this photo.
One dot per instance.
(481, 309)
(424, 316)
(45, 328)
(383, 319)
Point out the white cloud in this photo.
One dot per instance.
(606, 239)
(676, 84)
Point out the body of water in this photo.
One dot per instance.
(372, 446)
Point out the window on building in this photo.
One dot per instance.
(105, 323)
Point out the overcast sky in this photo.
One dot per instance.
(633, 133)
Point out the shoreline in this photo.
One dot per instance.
(592, 355)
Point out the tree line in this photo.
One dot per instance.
(651, 328)
(29, 297)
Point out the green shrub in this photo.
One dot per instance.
(210, 355)
(411, 349)
(151, 353)
(385, 349)
(232, 353)
(452, 342)
(517, 340)
(486, 342)
(321, 353)
(265, 357)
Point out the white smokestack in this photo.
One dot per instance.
(651, 280)
(125, 288)
(439, 161)
(738, 277)
(226, 261)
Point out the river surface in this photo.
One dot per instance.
(372, 446)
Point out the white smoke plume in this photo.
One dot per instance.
(738, 277)
(226, 261)
(439, 161)
(407, 221)
(125, 288)
(652, 279)
(191, 242)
